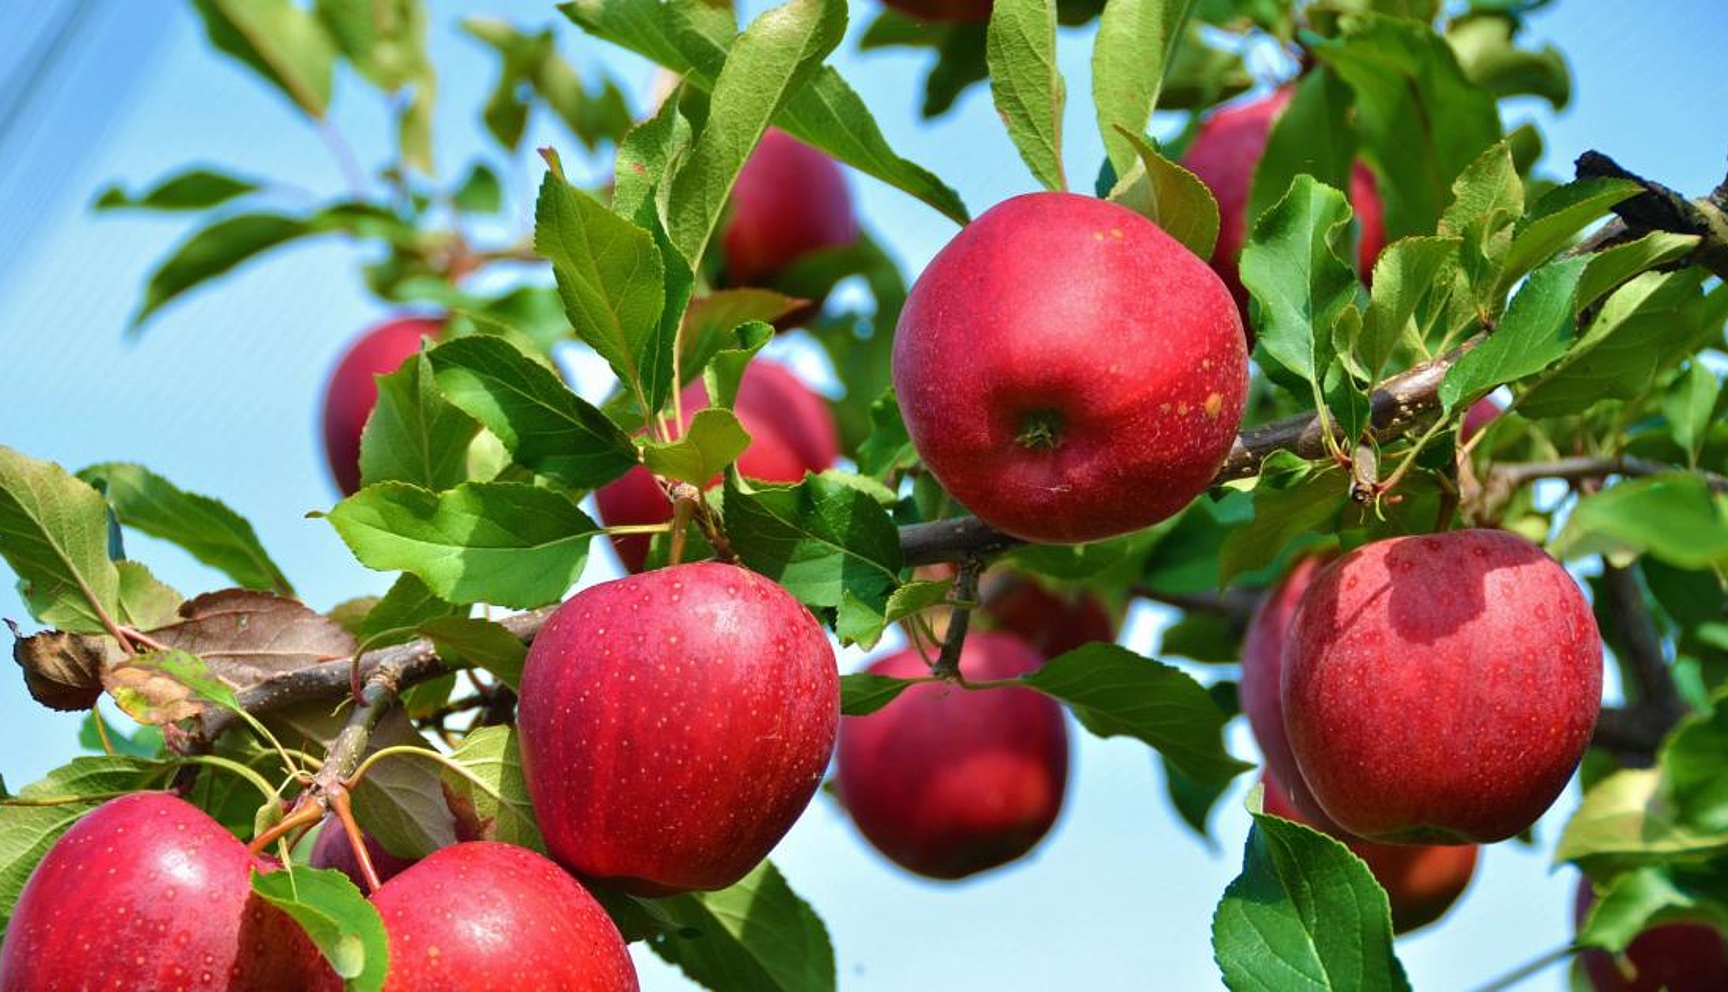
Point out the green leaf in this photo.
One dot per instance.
(398, 616)
(143, 742)
(757, 934)
(1691, 405)
(384, 39)
(1625, 821)
(57, 801)
(1641, 329)
(479, 192)
(145, 601)
(193, 189)
(714, 440)
(498, 808)
(54, 534)
(212, 251)
(1672, 516)
(1301, 283)
(1304, 913)
(504, 543)
(888, 447)
(279, 41)
(612, 281)
(722, 355)
(340, 920)
(1170, 196)
(546, 428)
(1407, 272)
(1286, 506)
(1611, 267)
(1487, 200)
(1135, 43)
(484, 643)
(825, 112)
(1482, 41)
(1115, 692)
(863, 693)
(775, 56)
(1419, 118)
(1311, 136)
(1020, 49)
(1556, 219)
(1647, 897)
(207, 529)
(820, 538)
(414, 434)
(1537, 329)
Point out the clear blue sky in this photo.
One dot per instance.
(221, 393)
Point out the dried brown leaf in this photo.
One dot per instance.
(245, 636)
(63, 671)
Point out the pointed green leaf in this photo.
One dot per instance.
(1537, 328)
(1020, 48)
(863, 693)
(193, 189)
(54, 534)
(1170, 196)
(1407, 272)
(340, 920)
(482, 643)
(1134, 47)
(1311, 136)
(818, 538)
(1293, 268)
(714, 440)
(1556, 219)
(212, 251)
(1672, 516)
(497, 807)
(757, 934)
(280, 41)
(414, 434)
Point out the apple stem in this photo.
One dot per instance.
(344, 811)
(963, 597)
(305, 813)
(684, 499)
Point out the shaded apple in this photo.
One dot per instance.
(481, 916)
(148, 892)
(1481, 413)
(331, 849)
(1072, 406)
(674, 724)
(791, 432)
(1678, 957)
(1422, 881)
(1049, 620)
(1441, 688)
(1224, 156)
(790, 200)
(1262, 667)
(943, 10)
(352, 391)
(948, 782)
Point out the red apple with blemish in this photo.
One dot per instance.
(1422, 881)
(1224, 156)
(482, 916)
(1441, 688)
(791, 432)
(674, 724)
(790, 201)
(352, 391)
(148, 892)
(948, 782)
(1678, 957)
(1071, 409)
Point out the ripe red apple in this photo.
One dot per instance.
(948, 782)
(1262, 654)
(943, 10)
(789, 200)
(674, 724)
(1224, 155)
(1072, 405)
(488, 917)
(353, 389)
(1441, 688)
(1478, 417)
(331, 849)
(1678, 957)
(791, 432)
(1422, 881)
(148, 892)
(1050, 622)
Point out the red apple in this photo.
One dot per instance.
(791, 432)
(148, 892)
(948, 782)
(674, 724)
(331, 849)
(1224, 155)
(1478, 417)
(1049, 621)
(488, 917)
(1262, 652)
(790, 200)
(1072, 405)
(353, 390)
(943, 10)
(1422, 881)
(1678, 957)
(1441, 688)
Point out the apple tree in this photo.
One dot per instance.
(1417, 440)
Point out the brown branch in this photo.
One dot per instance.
(1230, 604)
(1632, 734)
(1657, 698)
(1513, 475)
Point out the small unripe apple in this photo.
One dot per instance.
(1072, 405)
(790, 200)
(1262, 667)
(1441, 688)
(1224, 156)
(148, 892)
(331, 849)
(482, 916)
(1422, 881)
(353, 389)
(674, 724)
(791, 432)
(943, 10)
(948, 782)
(1677, 957)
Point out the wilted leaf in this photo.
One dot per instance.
(245, 637)
(63, 671)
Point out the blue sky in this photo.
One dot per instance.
(220, 395)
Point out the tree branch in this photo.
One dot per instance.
(1658, 706)
(1513, 475)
